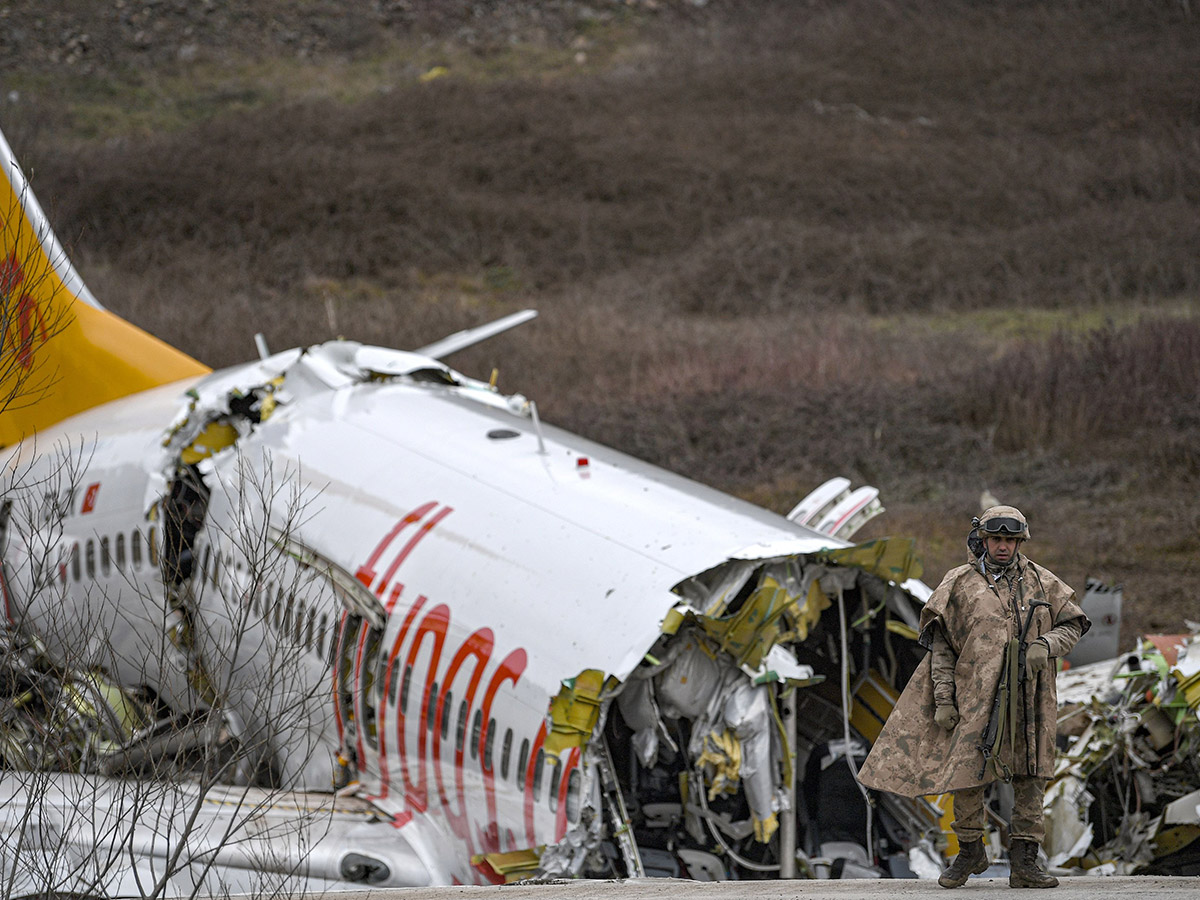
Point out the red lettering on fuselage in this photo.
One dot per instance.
(427, 641)
(435, 624)
(389, 674)
(509, 670)
(530, 777)
(411, 545)
(366, 572)
(478, 645)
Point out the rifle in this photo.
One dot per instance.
(1004, 705)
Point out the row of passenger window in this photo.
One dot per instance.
(375, 672)
(289, 617)
(489, 744)
(112, 553)
(293, 620)
(281, 609)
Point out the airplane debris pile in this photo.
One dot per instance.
(1126, 794)
(79, 721)
(761, 658)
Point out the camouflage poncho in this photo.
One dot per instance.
(913, 756)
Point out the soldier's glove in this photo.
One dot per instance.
(946, 716)
(1037, 658)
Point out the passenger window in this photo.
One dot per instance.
(447, 706)
(105, 557)
(321, 629)
(91, 558)
(345, 647)
(333, 642)
(152, 545)
(287, 613)
(555, 783)
(276, 606)
(404, 689)
(308, 631)
(574, 780)
(506, 754)
(121, 552)
(298, 633)
(369, 695)
(380, 673)
(431, 708)
(538, 765)
(460, 729)
(489, 744)
(135, 548)
(476, 731)
(216, 570)
(393, 685)
(75, 569)
(522, 762)
(256, 602)
(204, 565)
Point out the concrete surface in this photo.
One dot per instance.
(977, 888)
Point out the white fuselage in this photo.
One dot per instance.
(413, 564)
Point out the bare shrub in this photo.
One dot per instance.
(134, 758)
(1134, 385)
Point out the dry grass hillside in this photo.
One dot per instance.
(934, 246)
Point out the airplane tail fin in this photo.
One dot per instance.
(61, 352)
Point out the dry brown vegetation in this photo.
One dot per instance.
(938, 247)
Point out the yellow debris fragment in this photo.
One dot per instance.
(574, 711)
(895, 626)
(764, 828)
(810, 613)
(515, 865)
(758, 624)
(216, 436)
(721, 758)
(893, 559)
(872, 703)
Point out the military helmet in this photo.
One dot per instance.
(1007, 520)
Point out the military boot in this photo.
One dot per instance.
(1025, 872)
(971, 860)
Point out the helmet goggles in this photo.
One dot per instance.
(1003, 525)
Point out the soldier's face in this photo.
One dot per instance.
(1001, 547)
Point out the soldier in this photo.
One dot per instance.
(982, 705)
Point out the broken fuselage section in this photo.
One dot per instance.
(711, 755)
(528, 653)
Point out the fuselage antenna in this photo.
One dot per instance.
(537, 426)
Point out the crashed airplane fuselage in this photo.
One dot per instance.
(343, 614)
(526, 652)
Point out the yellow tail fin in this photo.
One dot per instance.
(61, 352)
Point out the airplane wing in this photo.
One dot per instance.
(468, 337)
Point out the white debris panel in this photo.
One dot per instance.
(1126, 794)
